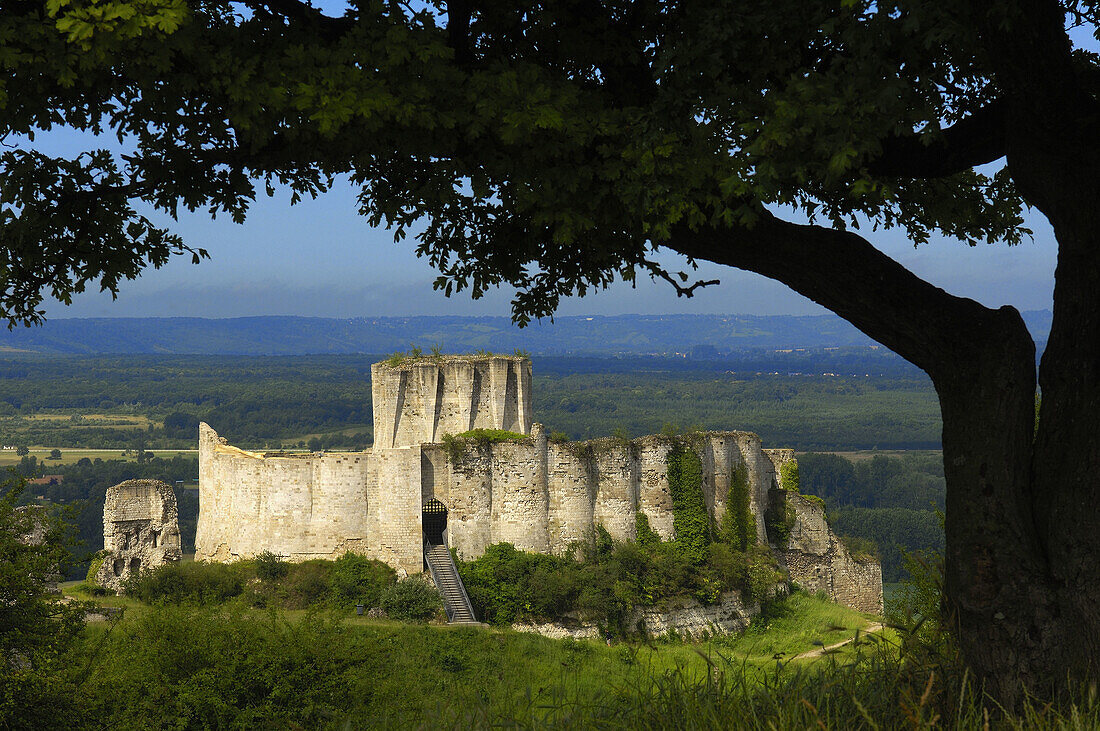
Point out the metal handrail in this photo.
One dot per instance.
(458, 579)
(435, 578)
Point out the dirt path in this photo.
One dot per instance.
(875, 627)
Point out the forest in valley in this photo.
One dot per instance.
(827, 399)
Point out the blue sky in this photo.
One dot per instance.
(320, 258)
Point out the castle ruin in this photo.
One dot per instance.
(140, 531)
(414, 486)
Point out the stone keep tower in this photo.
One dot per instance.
(418, 401)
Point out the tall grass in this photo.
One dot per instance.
(230, 667)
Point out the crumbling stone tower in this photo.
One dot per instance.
(140, 531)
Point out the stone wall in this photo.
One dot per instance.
(545, 496)
(140, 531)
(417, 401)
(818, 561)
(541, 496)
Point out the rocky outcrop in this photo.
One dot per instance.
(687, 617)
(140, 531)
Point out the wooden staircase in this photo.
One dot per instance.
(442, 567)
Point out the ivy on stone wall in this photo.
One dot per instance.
(690, 519)
(647, 537)
(738, 527)
(779, 519)
(788, 476)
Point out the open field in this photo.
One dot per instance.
(8, 457)
(268, 402)
(77, 419)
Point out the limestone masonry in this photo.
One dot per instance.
(140, 531)
(536, 494)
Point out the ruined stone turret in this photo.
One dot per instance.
(140, 531)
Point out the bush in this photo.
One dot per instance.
(270, 567)
(861, 549)
(506, 585)
(497, 581)
(187, 583)
(94, 566)
(738, 524)
(411, 600)
(176, 667)
(455, 445)
(307, 584)
(779, 519)
(646, 535)
(355, 579)
(762, 574)
(788, 476)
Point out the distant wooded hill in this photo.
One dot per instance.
(698, 336)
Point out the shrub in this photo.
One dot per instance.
(729, 566)
(175, 667)
(187, 583)
(779, 519)
(355, 579)
(491, 436)
(307, 584)
(646, 536)
(94, 566)
(270, 567)
(411, 600)
(455, 445)
(762, 574)
(603, 543)
(861, 549)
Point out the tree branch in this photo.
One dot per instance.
(843, 272)
(656, 270)
(976, 140)
(302, 12)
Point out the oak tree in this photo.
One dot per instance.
(553, 147)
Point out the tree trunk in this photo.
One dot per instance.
(998, 597)
(1021, 523)
(1062, 176)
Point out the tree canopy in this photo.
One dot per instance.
(549, 149)
(554, 147)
